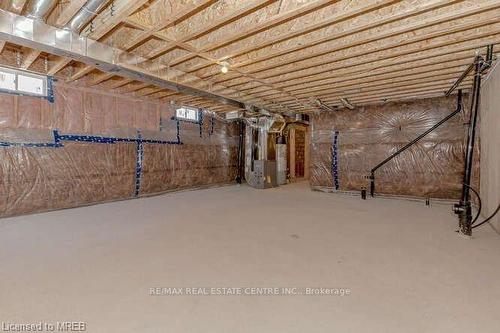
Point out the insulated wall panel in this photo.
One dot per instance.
(39, 171)
(363, 137)
(39, 179)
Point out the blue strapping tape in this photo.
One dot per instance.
(335, 161)
(50, 89)
(138, 163)
(139, 141)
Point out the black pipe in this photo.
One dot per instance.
(488, 218)
(479, 205)
(489, 53)
(460, 79)
(239, 176)
(464, 208)
(442, 121)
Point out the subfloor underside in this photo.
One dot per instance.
(406, 268)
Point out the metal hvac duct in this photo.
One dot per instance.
(85, 14)
(38, 9)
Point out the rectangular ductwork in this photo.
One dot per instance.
(37, 35)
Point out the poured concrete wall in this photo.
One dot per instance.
(490, 145)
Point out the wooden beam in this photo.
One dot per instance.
(187, 11)
(427, 62)
(274, 21)
(120, 83)
(383, 94)
(101, 78)
(81, 73)
(397, 70)
(413, 26)
(246, 9)
(225, 20)
(137, 87)
(2, 46)
(415, 10)
(152, 91)
(29, 57)
(433, 20)
(414, 93)
(397, 82)
(413, 47)
(59, 65)
(387, 87)
(105, 22)
(333, 19)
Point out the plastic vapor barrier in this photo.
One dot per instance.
(347, 144)
(89, 147)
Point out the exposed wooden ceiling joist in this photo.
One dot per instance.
(107, 22)
(363, 51)
(187, 11)
(283, 54)
(29, 57)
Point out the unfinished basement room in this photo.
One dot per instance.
(253, 166)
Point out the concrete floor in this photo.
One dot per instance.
(408, 271)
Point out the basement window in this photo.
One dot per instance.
(188, 113)
(21, 82)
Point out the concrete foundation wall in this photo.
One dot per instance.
(490, 145)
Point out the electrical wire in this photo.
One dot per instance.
(488, 218)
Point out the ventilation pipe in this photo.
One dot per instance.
(259, 171)
(91, 8)
(38, 9)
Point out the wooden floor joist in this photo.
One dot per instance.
(281, 55)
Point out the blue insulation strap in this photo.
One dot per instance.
(138, 163)
(335, 160)
(58, 138)
(178, 131)
(50, 89)
(139, 141)
(201, 123)
(31, 144)
(160, 142)
(88, 138)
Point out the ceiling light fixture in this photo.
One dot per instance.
(225, 67)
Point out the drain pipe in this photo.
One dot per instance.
(88, 11)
